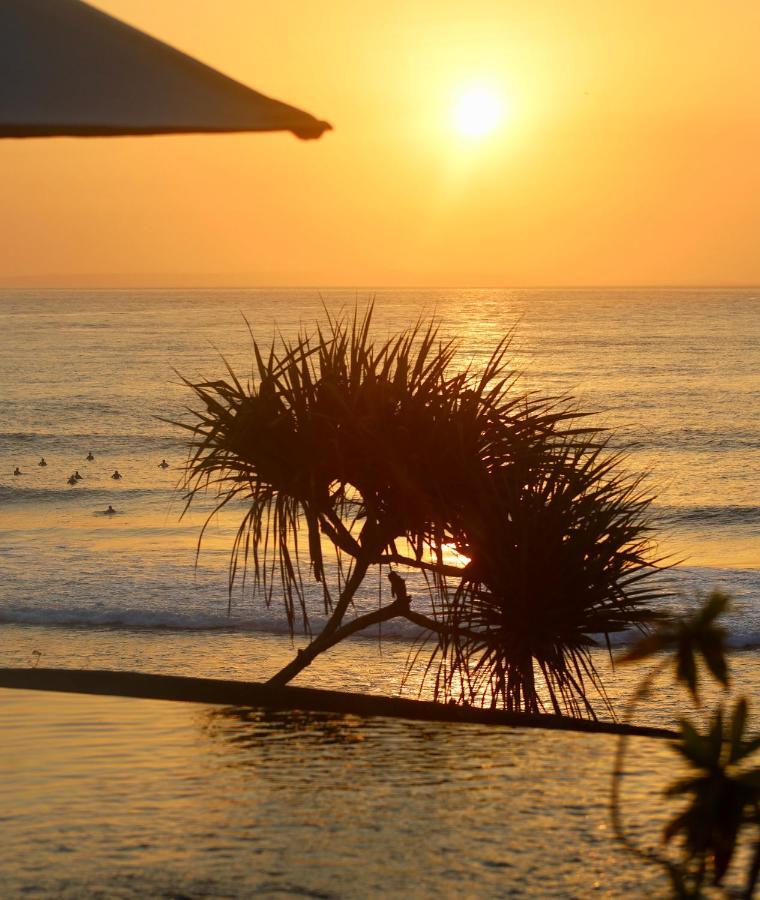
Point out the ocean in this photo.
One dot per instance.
(672, 373)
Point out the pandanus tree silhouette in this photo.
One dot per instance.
(357, 454)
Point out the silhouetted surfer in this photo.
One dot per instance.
(72, 480)
(17, 471)
(77, 475)
(116, 475)
(42, 462)
(110, 511)
(163, 464)
(89, 457)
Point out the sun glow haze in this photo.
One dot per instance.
(478, 111)
(488, 144)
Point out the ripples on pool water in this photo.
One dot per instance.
(133, 798)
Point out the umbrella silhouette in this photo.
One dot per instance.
(67, 68)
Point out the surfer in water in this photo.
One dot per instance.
(116, 475)
(42, 462)
(89, 457)
(17, 471)
(77, 475)
(110, 511)
(163, 464)
(71, 480)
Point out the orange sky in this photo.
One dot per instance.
(630, 155)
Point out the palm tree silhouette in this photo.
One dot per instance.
(353, 455)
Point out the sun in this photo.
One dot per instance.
(478, 111)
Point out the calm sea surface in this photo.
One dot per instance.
(134, 798)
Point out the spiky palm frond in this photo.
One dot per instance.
(260, 444)
(317, 441)
(560, 553)
(370, 443)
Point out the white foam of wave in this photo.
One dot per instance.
(167, 620)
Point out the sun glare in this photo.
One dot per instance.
(478, 111)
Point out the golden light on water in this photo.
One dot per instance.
(452, 557)
(478, 111)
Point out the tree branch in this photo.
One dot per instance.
(324, 640)
(439, 627)
(339, 534)
(399, 560)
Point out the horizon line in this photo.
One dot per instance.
(195, 286)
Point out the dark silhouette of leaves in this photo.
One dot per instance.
(690, 639)
(722, 797)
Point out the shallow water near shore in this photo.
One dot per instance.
(118, 797)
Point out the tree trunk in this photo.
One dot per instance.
(324, 640)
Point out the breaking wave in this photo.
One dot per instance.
(167, 620)
(741, 636)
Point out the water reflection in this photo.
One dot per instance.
(157, 799)
(495, 807)
(410, 752)
(246, 727)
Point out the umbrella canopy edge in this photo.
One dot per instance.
(70, 69)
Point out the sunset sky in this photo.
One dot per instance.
(621, 146)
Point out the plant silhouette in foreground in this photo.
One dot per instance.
(364, 455)
(721, 794)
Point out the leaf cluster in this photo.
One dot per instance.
(560, 553)
(722, 795)
(689, 640)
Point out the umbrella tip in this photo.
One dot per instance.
(315, 130)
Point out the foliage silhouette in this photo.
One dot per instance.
(723, 794)
(689, 639)
(359, 454)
